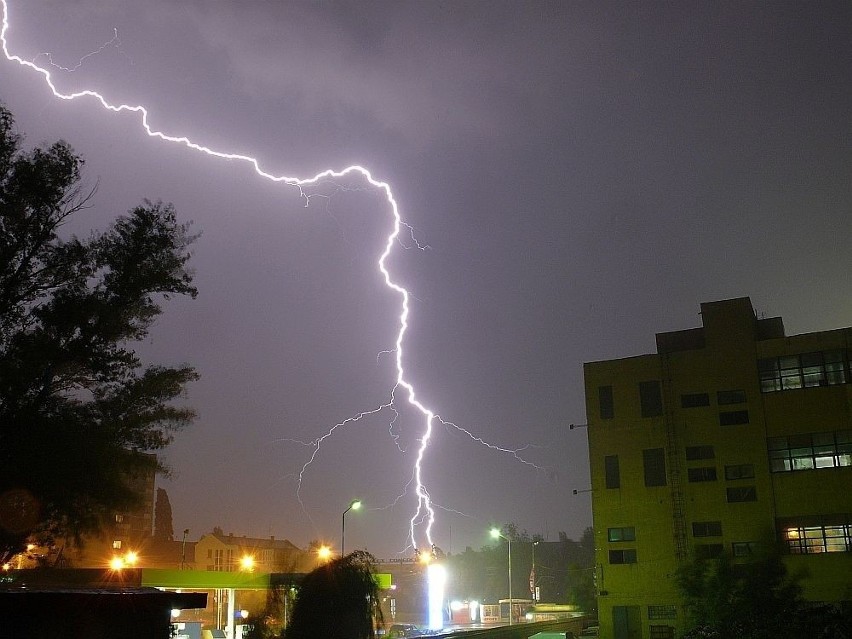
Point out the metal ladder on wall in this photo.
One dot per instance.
(673, 460)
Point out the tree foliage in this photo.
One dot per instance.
(76, 404)
(163, 526)
(339, 600)
(756, 600)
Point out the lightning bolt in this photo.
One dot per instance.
(424, 512)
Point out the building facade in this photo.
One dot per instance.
(731, 436)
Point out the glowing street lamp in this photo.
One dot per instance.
(247, 563)
(495, 533)
(324, 553)
(131, 558)
(355, 505)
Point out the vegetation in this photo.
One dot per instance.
(339, 600)
(163, 527)
(77, 407)
(564, 569)
(756, 600)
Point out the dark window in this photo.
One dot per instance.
(809, 451)
(661, 632)
(699, 452)
(742, 493)
(627, 556)
(707, 529)
(651, 399)
(662, 612)
(694, 400)
(743, 548)
(730, 397)
(734, 417)
(707, 473)
(613, 477)
(739, 471)
(708, 551)
(626, 533)
(654, 462)
(605, 401)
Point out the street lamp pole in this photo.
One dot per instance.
(355, 505)
(532, 574)
(495, 532)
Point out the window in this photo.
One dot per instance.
(613, 477)
(119, 519)
(807, 540)
(742, 493)
(116, 544)
(708, 551)
(650, 399)
(707, 529)
(699, 452)
(809, 451)
(826, 368)
(733, 417)
(627, 533)
(654, 462)
(743, 548)
(627, 556)
(707, 473)
(662, 612)
(739, 471)
(694, 400)
(730, 397)
(605, 400)
(662, 632)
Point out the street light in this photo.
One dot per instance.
(324, 553)
(355, 505)
(495, 533)
(532, 574)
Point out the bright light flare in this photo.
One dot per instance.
(437, 578)
(116, 563)
(247, 563)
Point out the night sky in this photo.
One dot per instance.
(584, 175)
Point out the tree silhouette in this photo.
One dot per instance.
(77, 406)
(163, 527)
(339, 600)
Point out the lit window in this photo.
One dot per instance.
(807, 540)
(627, 533)
(808, 370)
(116, 544)
(810, 451)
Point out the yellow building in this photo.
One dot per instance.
(230, 553)
(729, 436)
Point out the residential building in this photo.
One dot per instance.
(225, 553)
(730, 436)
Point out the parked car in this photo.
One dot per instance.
(400, 630)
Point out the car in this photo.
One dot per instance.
(400, 630)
